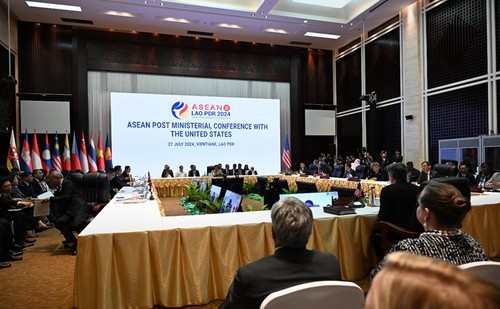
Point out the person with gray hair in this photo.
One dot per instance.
(291, 264)
(377, 173)
(68, 207)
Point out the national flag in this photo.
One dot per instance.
(91, 154)
(12, 156)
(75, 160)
(285, 157)
(100, 154)
(83, 155)
(35, 153)
(66, 157)
(46, 162)
(56, 156)
(108, 159)
(25, 162)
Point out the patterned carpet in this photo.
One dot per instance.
(44, 278)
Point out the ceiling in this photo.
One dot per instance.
(245, 20)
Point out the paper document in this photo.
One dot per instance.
(45, 195)
(41, 209)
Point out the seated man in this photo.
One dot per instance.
(463, 172)
(70, 208)
(377, 173)
(18, 218)
(412, 174)
(193, 172)
(493, 182)
(484, 175)
(398, 203)
(427, 173)
(348, 171)
(291, 263)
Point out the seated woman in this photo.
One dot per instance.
(441, 211)
(409, 281)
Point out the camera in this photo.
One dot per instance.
(372, 97)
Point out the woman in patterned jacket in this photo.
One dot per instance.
(441, 210)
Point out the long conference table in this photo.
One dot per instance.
(130, 256)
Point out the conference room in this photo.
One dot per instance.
(186, 82)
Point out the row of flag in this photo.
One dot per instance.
(92, 160)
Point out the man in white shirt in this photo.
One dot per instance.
(181, 172)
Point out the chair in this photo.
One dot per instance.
(387, 229)
(446, 170)
(95, 189)
(361, 171)
(488, 270)
(317, 295)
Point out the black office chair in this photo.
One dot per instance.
(446, 170)
(361, 171)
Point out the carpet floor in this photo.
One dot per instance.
(44, 278)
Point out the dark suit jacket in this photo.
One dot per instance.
(193, 174)
(164, 173)
(68, 200)
(38, 187)
(469, 176)
(287, 267)
(423, 176)
(398, 203)
(26, 189)
(486, 177)
(413, 176)
(382, 175)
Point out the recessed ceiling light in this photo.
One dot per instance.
(322, 35)
(177, 20)
(232, 26)
(53, 6)
(337, 4)
(116, 13)
(272, 30)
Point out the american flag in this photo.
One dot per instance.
(285, 157)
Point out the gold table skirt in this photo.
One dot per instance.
(483, 223)
(191, 266)
(176, 187)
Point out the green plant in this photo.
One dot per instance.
(248, 187)
(255, 196)
(197, 201)
(289, 191)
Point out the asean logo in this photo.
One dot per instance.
(180, 110)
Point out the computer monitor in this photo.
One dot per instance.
(231, 202)
(314, 199)
(306, 187)
(343, 192)
(214, 193)
(203, 186)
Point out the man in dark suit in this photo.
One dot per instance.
(427, 173)
(291, 263)
(39, 185)
(463, 172)
(377, 173)
(412, 174)
(398, 204)
(398, 201)
(193, 172)
(25, 185)
(484, 175)
(70, 208)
